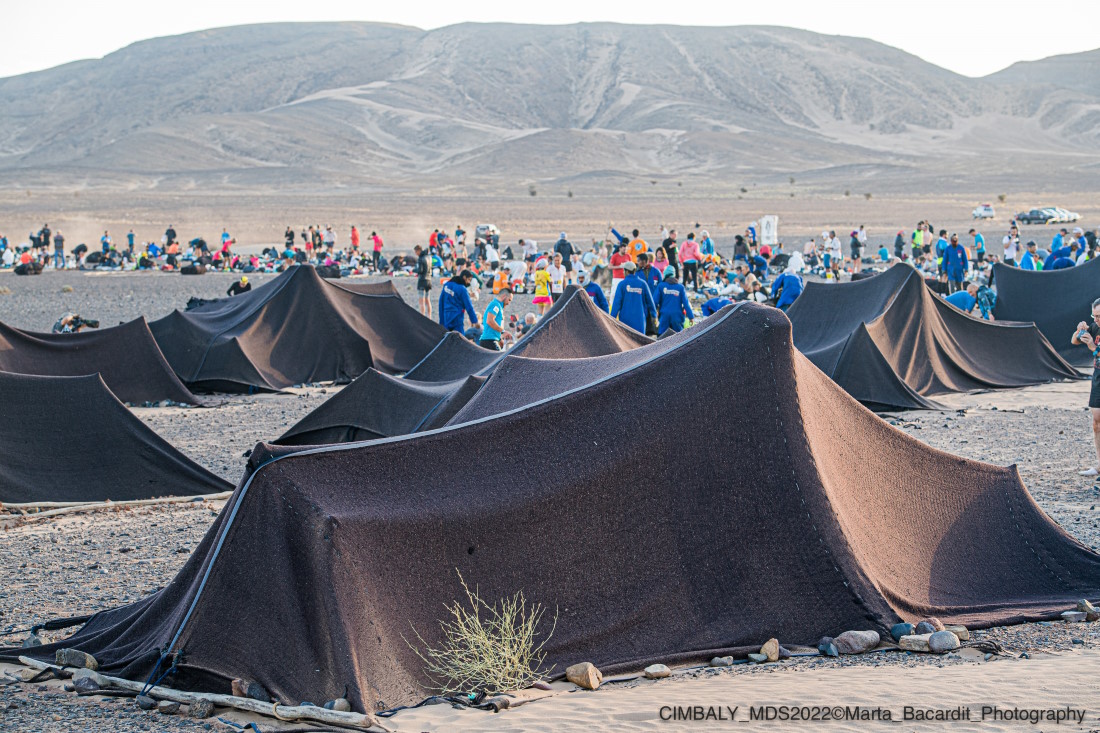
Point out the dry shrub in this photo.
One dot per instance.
(486, 648)
(5, 290)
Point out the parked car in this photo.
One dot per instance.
(1036, 216)
(984, 211)
(1064, 216)
(489, 233)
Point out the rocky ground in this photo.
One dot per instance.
(84, 563)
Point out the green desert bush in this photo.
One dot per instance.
(491, 648)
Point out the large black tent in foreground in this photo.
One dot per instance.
(70, 439)
(126, 356)
(1056, 300)
(297, 328)
(325, 561)
(379, 406)
(573, 328)
(891, 343)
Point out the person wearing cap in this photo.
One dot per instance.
(786, 289)
(595, 292)
(672, 303)
(494, 331)
(564, 248)
(239, 286)
(954, 264)
(633, 304)
(455, 303)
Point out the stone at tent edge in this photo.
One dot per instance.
(915, 642)
(942, 641)
(856, 642)
(960, 631)
(145, 702)
(584, 675)
(167, 707)
(339, 704)
(85, 684)
(722, 662)
(758, 658)
(929, 626)
(201, 709)
(1074, 617)
(1090, 611)
(657, 671)
(771, 650)
(75, 658)
(828, 647)
(903, 629)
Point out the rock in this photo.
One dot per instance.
(257, 692)
(201, 709)
(657, 672)
(340, 705)
(239, 688)
(85, 684)
(31, 640)
(784, 652)
(929, 626)
(26, 675)
(1091, 612)
(899, 630)
(89, 674)
(1074, 617)
(584, 675)
(1077, 641)
(915, 642)
(167, 707)
(771, 650)
(758, 658)
(942, 641)
(828, 647)
(541, 685)
(988, 656)
(75, 658)
(856, 642)
(722, 662)
(960, 631)
(145, 702)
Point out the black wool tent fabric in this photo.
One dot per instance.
(295, 329)
(325, 561)
(893, 344)
(572, 328)
(70, 439)
(379, 406)
(126, 356)
(1055, 300)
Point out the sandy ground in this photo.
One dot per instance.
(85, 563)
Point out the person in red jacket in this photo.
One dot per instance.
(377, 240)
(354, 239)
(618, 257)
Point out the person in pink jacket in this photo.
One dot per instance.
(689, 261)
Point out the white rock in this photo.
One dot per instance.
(657, 671)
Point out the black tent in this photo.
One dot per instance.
(297, 328)
(325, 561)
(1056, 300)
(379, 406)
(573, 327)
(126, 356)
(892, 343)
(70, 439)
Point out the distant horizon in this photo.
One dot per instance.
(961, 37)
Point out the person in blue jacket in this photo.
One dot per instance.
(1060, 254)
(633, 300)
(714, 305)
(759, 267)
(786, 288)
(454, 302)
(595, 292)
(650, 274)
(1030, 260)
(672, 303)
(955, 264)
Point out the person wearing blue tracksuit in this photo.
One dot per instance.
(455, 303)
(789, 286)
(954, 264)
(650, 274)
(633, 300)
(759, 267)
(672, 304)
(714, 305)
(595, 292)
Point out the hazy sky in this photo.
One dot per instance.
(966, 36)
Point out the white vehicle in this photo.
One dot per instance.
(489, 233)
(984, 211)
(1066, 217)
